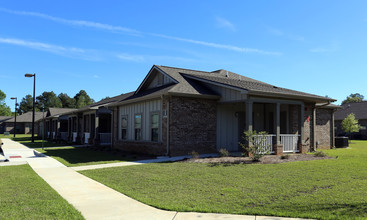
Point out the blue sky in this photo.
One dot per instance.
(107, 47)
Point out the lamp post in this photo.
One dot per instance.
(15, 114)
(43, 124)
(34, 99)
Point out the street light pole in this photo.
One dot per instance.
(43, 124)
(15, 114)
(34, 100)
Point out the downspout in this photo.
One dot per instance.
(168, 150)
(314, 129)
(112, 131)
(168, 121)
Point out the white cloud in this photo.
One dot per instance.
(289, 36)
(224, 23)
(95, 76)
(60, 50)
(113, 28)
(129, 57)
(333, 47)
(90, 24)
(220, 46)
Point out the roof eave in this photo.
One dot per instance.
(287, 96)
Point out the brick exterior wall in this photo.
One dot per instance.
(193, 124)
(308, 125)
(294, 114)
(324, 128)
(142, 147)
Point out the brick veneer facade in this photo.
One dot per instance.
(308, 126)
(324, 128)
(193, 125)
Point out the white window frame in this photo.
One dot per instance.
(141, 127)
(158, 127)
(127, 127)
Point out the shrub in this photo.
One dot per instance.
(195, 154)
(320, 154)
(256, 144)
(223, 152)
(284, 157)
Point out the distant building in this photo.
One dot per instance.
(360, 111)
(2, 123)
(24, 123)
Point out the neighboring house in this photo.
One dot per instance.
(55, 126)
(2, 124)
(176, 111)
(360, 111)
(23, 123)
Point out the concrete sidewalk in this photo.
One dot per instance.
(139, 162)
(95, 200)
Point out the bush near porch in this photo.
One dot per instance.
(321, 189)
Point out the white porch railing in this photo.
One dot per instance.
(268, 142)
(290, 142)
(64, 135)
(104, 138)
(74, 136)
(86, 137)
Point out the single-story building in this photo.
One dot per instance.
(2, 124)
(175, 111)
(24, 123)
(360, 111)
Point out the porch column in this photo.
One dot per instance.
(277, 147)
(249, 105)
(302, 118)
(314, 136)
(277, 123)
(96, 125)
(332, 129)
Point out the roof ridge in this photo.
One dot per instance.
(183, 69)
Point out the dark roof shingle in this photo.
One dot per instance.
(358, 108)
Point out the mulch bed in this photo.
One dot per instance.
(267, 159)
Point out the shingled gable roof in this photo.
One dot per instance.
(26, 117)
(104, 102)
(227, 78)
(4, 118)
(358, 108)
(58, 111)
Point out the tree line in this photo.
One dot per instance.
(46, 100)
(50, 100)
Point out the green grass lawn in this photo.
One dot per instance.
(17, 136)
(26, 139)
(25, 195)
(80, 156)
(321, 189)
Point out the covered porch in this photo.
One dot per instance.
(282, 120)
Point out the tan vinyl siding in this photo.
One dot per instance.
(227, 94)
(228, 116)
(145, 109)
(159, 80)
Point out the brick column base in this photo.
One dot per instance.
(278, 149)
(302, 148)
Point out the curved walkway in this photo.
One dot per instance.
(95, 200)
